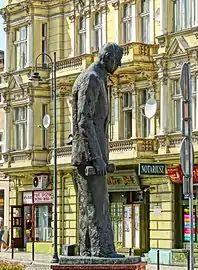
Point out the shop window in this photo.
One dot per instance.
(126, 225)
(42, 223)
(2, 203)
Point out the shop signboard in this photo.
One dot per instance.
(176, 176)
(27, 197)
(186, 224)
(154, 169)
(43, 196)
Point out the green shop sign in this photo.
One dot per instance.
(151, 169)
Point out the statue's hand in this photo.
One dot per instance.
(100, 166)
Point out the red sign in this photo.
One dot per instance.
(176, 176)
(43, 196)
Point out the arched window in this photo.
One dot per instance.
(97, 30)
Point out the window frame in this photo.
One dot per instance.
(126, 109)
(20, 42)
(145, 123)
(127, 24)
(2, 146)
(21, 125)
(98, 29)
(145, 14)
(82, 34)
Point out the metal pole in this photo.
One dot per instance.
(190, 177)
(158, 260)
(55, 258)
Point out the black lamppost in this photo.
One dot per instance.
(35, 78)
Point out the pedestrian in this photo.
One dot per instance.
(2, 242)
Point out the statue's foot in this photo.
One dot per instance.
(116, 255)
(85, 254)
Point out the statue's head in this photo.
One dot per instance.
(110, 56)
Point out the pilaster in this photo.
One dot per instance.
(7, 129)
(72, 32)
(152, 22)
(30, 44)
(116, 21)
(134, 26)
(88, 33)
(30, 125)
(161, 222)
(7, 49)
(104, 26)
(163, 17)
(163, 105)
(134, 112)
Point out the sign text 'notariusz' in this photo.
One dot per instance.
(151, 169)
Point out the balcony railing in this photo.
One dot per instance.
(139, 145)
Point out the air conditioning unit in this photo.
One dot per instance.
(39, 182)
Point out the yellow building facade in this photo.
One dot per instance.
(143, 200)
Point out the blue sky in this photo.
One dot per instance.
(1, 29)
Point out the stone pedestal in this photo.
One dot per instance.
(88, 263)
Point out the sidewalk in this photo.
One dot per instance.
(42, 261)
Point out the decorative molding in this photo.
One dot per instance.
(116, 4)
(161, 41)
(72, 18)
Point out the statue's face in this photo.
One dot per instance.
(113, 61)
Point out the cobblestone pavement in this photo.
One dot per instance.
(42, 261)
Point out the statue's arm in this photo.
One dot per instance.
(87, 99)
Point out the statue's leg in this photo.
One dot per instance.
(84, 240)
(101, 233)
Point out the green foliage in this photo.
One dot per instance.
(4, 265)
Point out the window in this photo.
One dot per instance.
(177, 105)
(2, 204)
(145, 122)
(42, 221)
(127, 110)
(21, 47)
(127, 23)
(126, 225)
(82, 35)
(98, 31)
(145, 20)
(1, 146)
(20, 126)
(44, 135)
(44, 44)
(184, 14)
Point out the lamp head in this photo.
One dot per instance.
(35, 79)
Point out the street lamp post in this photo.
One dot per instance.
(35, 78)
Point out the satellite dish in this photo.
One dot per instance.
(150, 108)
(157, 15)
(46, 121)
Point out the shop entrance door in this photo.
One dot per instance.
(17, 226)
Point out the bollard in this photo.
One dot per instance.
(158, 259)
(12, 245)
(188, 259)
(33, 249)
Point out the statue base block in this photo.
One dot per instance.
(97, 263)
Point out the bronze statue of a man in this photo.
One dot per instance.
(90, 148)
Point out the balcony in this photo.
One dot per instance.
(169, 145)
(118, 150)
(23, 159)
(74, 65)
